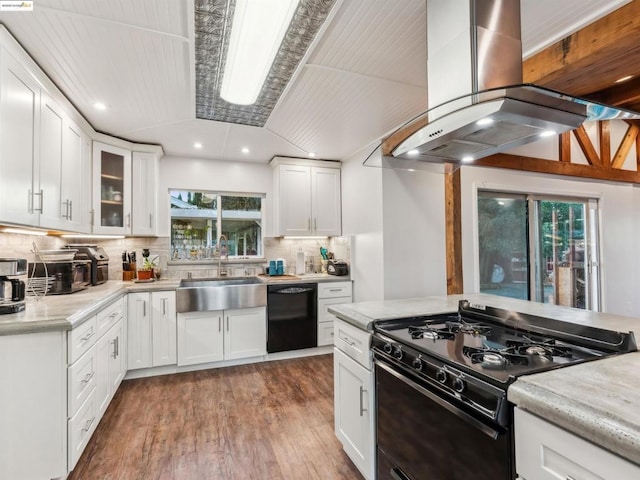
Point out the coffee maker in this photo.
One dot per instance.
(12, 290)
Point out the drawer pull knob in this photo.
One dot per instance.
(88, 377)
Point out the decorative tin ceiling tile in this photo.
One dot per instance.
(213, 20)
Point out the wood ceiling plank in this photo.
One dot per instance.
(592, 58)
(586, 146)
(625, 146)
(453, 231)
(530, 164)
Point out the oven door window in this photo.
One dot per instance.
(422, 436)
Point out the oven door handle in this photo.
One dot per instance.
(494, 434)
(398, 474)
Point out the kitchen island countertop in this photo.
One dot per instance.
(595, 400)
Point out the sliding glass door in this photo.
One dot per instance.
(539, 248)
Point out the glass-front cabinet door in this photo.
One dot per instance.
(111, 189)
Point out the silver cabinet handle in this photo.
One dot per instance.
(335, 289)
(87, 425)
(29, 201)
(41, 195)
(227, 323)
(88, 377)
(309, 223)
(128, 220)
(219, 324)
(116, 347)
(92, 213)
(144, 308)
(70, 210)
(88, 335)
(315, 224)
(362, 409)
(346, 340)
(113, 315)
(150, 220)
(164, 306)
(65, 215)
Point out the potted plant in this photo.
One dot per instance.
(146, 271)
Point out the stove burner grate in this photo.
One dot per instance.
(434, 330)
(547, 348)
(490, 357)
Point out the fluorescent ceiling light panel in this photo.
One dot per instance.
(256, 34)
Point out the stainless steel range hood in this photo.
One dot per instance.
(474, 75)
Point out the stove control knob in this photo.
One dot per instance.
(388, 348)
(459, 385)
(398, 353)
(417, 363)
(441, 375)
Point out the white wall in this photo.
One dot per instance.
(198, 174)
(618, 204)
(396, 220)
(414, 234)
(362, 220)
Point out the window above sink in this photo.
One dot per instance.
(199, 218)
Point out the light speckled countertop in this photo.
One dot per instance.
(596, 400)
(64, 312)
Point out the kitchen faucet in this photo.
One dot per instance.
(222, 273)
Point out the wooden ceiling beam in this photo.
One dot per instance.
(530, 164)
(586, 146)
(592, 58)
(625, 93)
(625, 146)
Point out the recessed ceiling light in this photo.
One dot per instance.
(411, 170)
(413, 152)
(245, 150)
(547, 133)
(484, 121)
(624, 79)
(99, 106)
(500, 202)
(311, 154)
(197, 145)
(467, 159)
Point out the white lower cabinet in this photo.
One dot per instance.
(354, 400)
(330, 293)
(547, 452)
(97, 365)
(213, 336)
(151, 329)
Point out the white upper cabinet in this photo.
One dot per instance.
(46, 159)
(145, 193)
(111, 189)
(19, 143)
(306, 197)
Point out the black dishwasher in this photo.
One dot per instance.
(291, 317)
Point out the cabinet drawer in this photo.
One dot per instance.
(323, 303)
(81, 426)
(81, 339)
(547, 452)
(334, 289)
(352, 341)
(325, 333)
(109, 316)
(81, 380)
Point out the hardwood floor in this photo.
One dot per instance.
(267, 421)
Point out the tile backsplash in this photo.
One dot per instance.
(16, 245)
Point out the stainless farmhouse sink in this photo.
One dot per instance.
(206, 294)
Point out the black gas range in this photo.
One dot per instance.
(441, 385)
